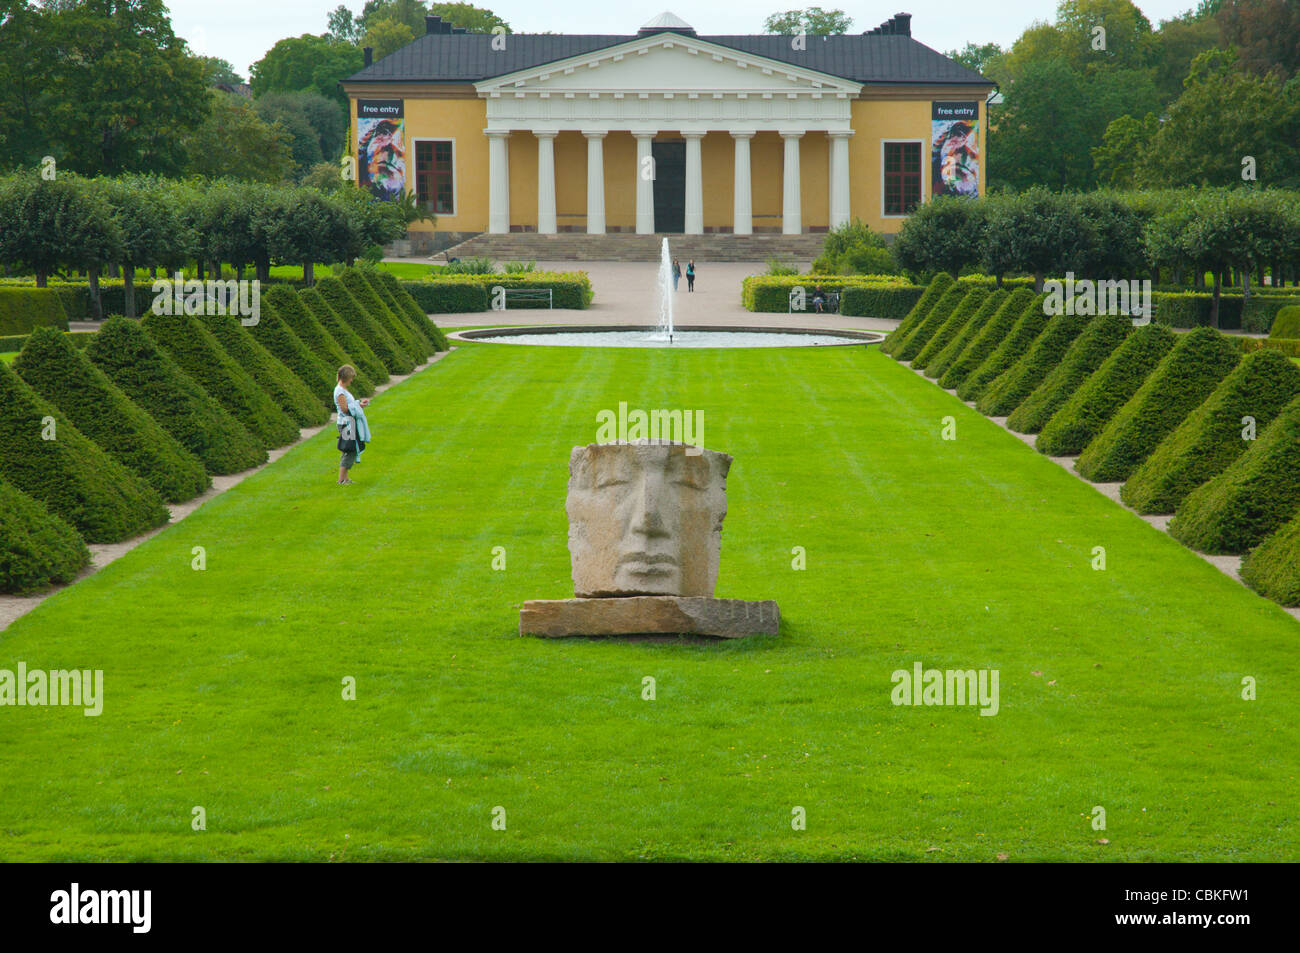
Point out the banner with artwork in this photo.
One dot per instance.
(381, 150)
(955, 149)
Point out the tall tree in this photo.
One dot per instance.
(234, 141)
(1266, 34)
(387, 36)
(814, 21)
(306, 62)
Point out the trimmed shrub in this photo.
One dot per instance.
(274, 334)
(1247, 502)
(199, 355)
(940, 362)
(448, 297)
(925, 329)
(64, 376)
(944, 334)
(1014, 345)
(985, 340)
(1182, 381)
(371, 303)
(569, 289)
(935, 290)
(37, 549)
(398, 308)
(145, 373)
(337, 296)
(1088, 410)
(1273, 570)
(879, 301)
(1287, 323)
(291, 310)
(1207, 442)
(1100, 337)
(1010, 389)
(80, 483)
(288, 392)
(363, 356)
(406, 304)
(22, 309)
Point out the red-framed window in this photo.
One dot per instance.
(435, 188)
(902, 177)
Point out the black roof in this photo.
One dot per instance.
(862, 58)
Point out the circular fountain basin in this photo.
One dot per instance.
(689, 336)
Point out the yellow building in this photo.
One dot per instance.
(666, 131)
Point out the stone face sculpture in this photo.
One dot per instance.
(645, 544)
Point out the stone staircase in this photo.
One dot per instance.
(628, 246)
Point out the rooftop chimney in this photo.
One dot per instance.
(898, 25)
(368, 55)
(434, 25)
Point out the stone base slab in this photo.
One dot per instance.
(649, 615)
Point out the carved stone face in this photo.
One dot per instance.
(646, 519)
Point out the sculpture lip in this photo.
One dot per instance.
(643, 562)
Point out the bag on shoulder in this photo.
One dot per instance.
(347, 435)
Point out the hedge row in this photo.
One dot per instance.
(37, 548)
(284, 387)
(1281, 345)
(1214, 434)
(1014, 346)
(416, 313)
(1287, 323)
(274, 333)
(128, 355)
(396, 360)
(1098, 340)
(1194, 310)
(1085, 414)
(1009, 390)
(1252, 498)
(22, 309)
(356, 283)
(938, 365)
(459, 293)
(949, 329)
(1181, 382)
(934, 291)
(364, 359)
(987, 339)
(1273, 570)
(879, 301)
(83, 394)
(420, 328)
(288, 306)
(925, 329)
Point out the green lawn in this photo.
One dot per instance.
(1118, 688)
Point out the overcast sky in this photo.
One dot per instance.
(241, 31)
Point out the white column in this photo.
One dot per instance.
(545, 182)
(792, 204)
(645, 183)
(742, 216)
(498, 181)
(595, 182)
(839, 184)
(694, 185)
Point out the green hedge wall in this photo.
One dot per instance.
(879, 301)
(283, 386)
(145, 373)
(938, 365)
(419, 327)
(412, 343)
(22, 309)
(1273, 570)
(79, 482)
(293, 312)
(1182, 381)
(274, 334)
(363, 356)
(336, 295)
(199, 355)
(1087, 411)
(1098, 340)
(1010, 389)
(417, 314)
(1287, 323)
(1281, 345)
(448, 297)
(1193, 310)
(944, 334)
(457, 293)
(37, 549)
(1211, 437)
(987, 339)
(771, 293)
(925, 329)
(1012, 348)
(1252, 498)
(934, 291)
(64, 376)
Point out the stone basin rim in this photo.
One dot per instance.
(853, 338)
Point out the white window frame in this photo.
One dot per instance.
(455, 174)
(925, 176)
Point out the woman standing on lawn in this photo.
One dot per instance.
(354, 429)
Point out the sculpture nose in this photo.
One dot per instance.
(646, 502)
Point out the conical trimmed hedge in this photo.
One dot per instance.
(1010, 389)
(43, 454)
(320, 342)
(285, 388)
(394, 356)
(274, 334)
(987, 339)
(371, 303)
(1252, 498)
(938, 365)
(926, 329)
(37, 549)
(1273, 569)
(375, 279)
(935, 290)
(197, 352)
(1211, 437)
(145, 373)
(407, 301)
(1187, 375)
(1090, 408)
(944, 334)
(60, 373)
(1100, 337)
(1013, 347)
(363, 357)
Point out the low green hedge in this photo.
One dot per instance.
(64, 376)
(938, 365)
(933, 292)
(37, 548)
(1087, 411)
(14, 342)
(1009, 390)
(1182, 381)
(128, 355)
(1252, 498)
(987, 339)
(448, 297)
(417, 314)
(373, 305)
(949, 329)
(64, 469)
(1014, 345)
(22, 309)
(363, 356)
(927, 327)
(879, 301)
(771, 293)
(1211, 437)
(398, 306)
(1286, 325)
(1193, 310)
(337, 296)
(283, 386)
(291, 309)
(453, 294)
(1098, 340)
(1273, 569)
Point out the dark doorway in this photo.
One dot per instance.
(670, 185)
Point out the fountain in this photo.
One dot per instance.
(666, 293)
